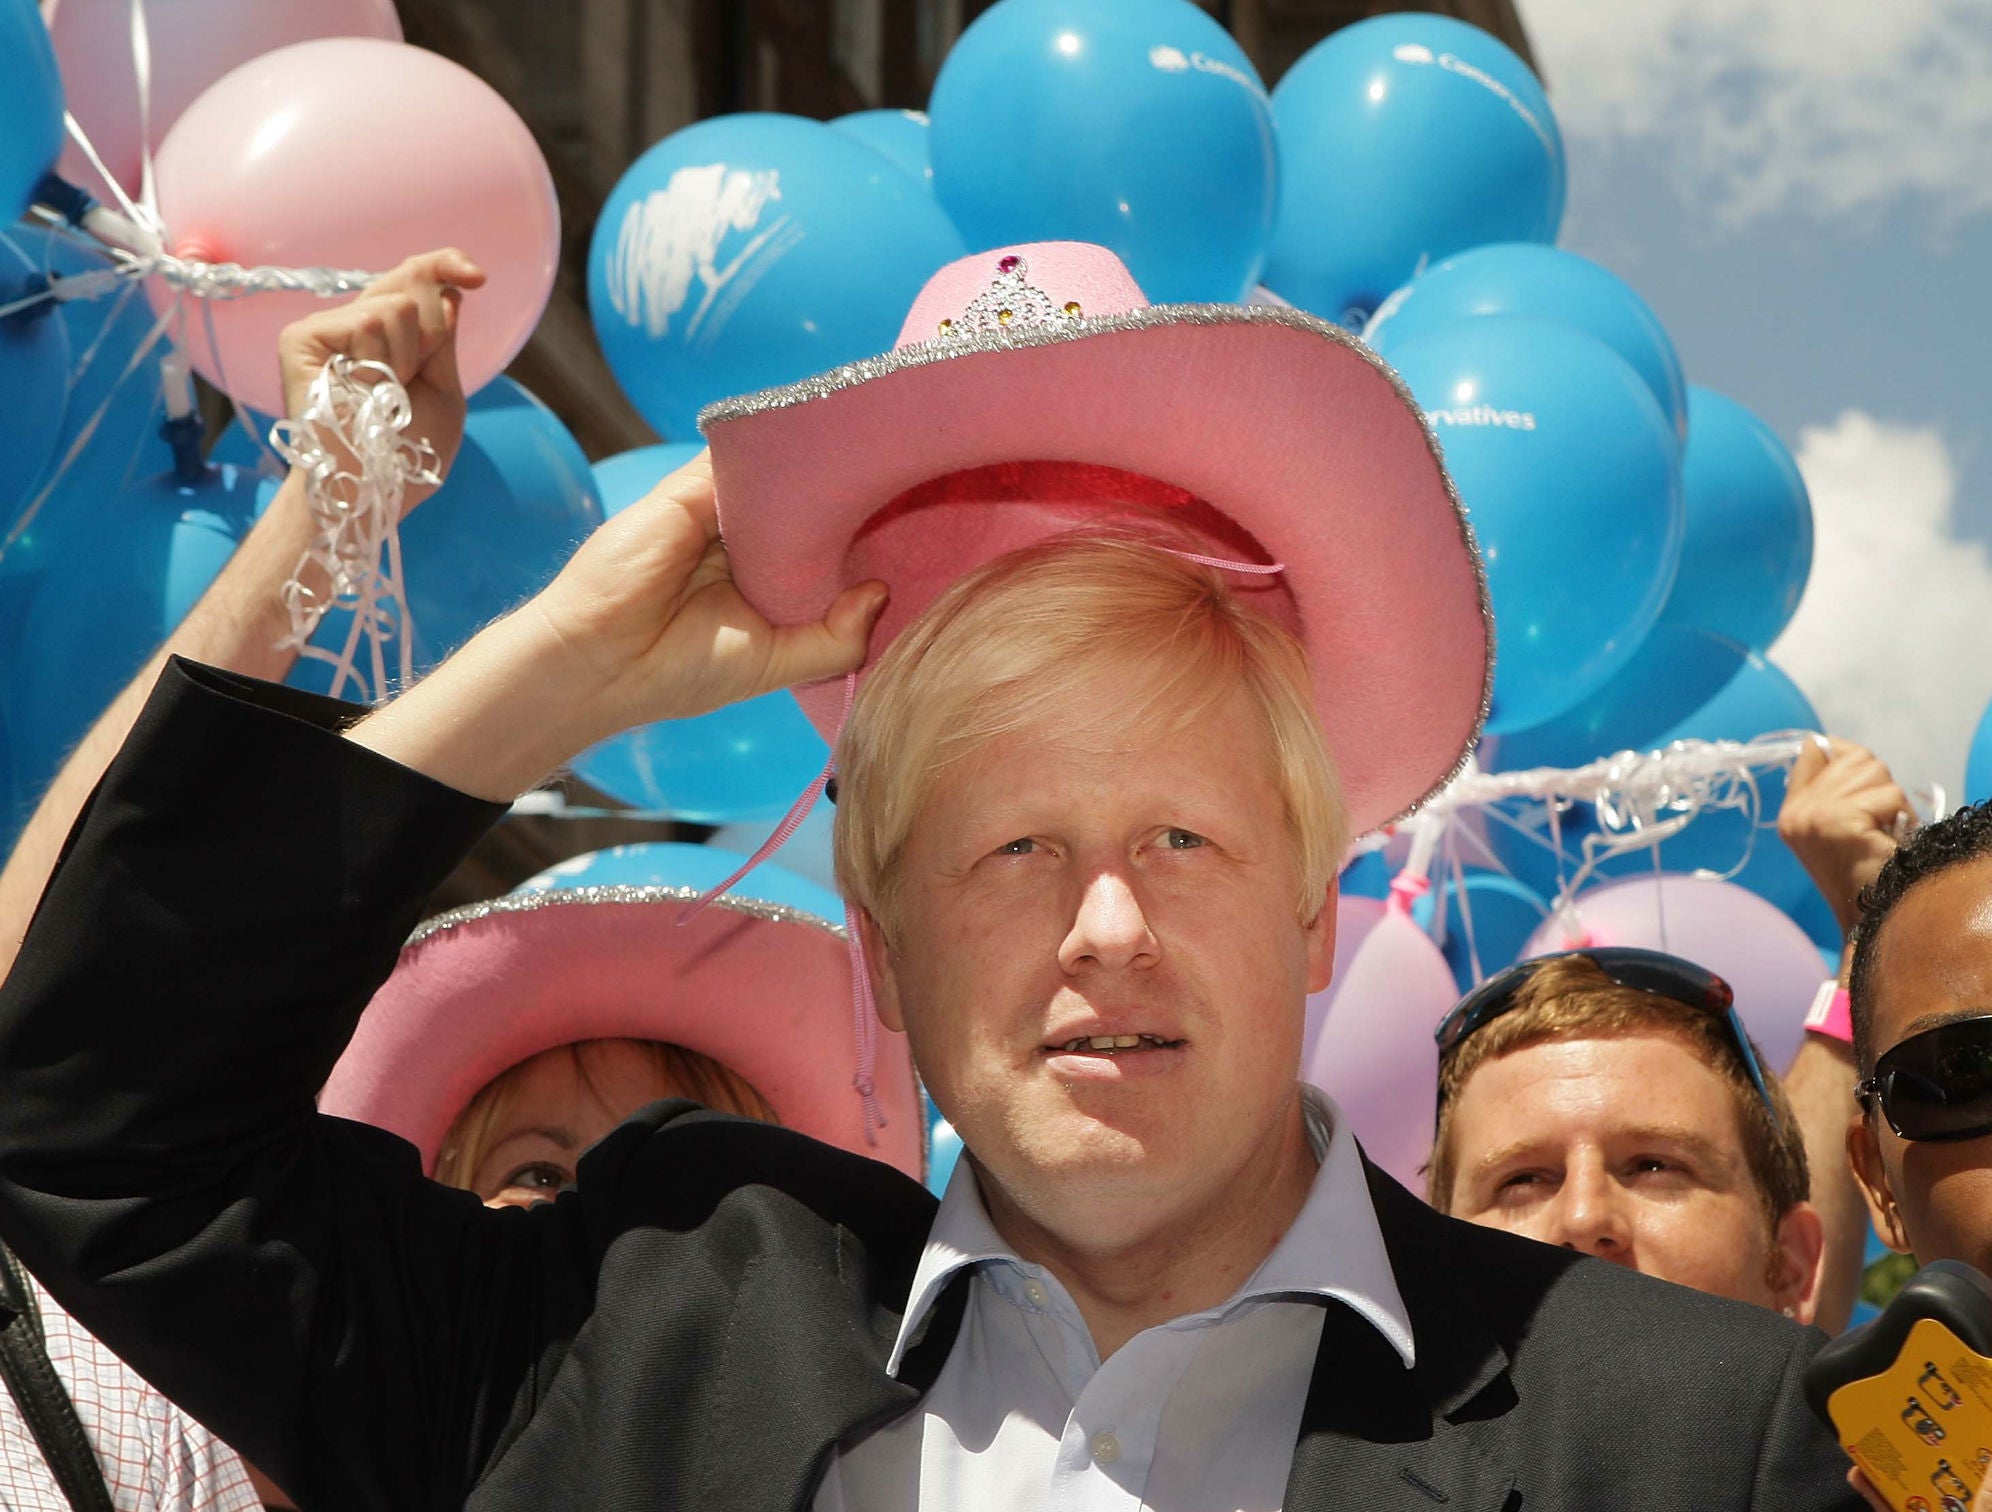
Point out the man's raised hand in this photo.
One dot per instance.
(406, 320)
(648, 608)
(1840, 817)
(644, 623)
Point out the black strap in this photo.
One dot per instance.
(51, 1416)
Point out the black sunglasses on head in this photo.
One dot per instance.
(1936, 1085)
(1649, 971)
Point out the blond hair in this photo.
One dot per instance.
(1569, 998)
(1018, 637)
(680, 1073)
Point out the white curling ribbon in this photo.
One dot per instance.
(358, 461)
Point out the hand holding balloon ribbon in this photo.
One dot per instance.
(1641, 797)
(351, 444)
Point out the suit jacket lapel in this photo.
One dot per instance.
(786, 1421)
(1400, 1440)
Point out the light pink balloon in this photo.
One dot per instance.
(1747, 941)
(1370, 1043)
(192, 43)
(355, 153)
(1354, 919)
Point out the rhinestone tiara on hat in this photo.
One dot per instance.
(1011, 302)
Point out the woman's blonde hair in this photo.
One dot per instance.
(680, 1073)
(1014, 640)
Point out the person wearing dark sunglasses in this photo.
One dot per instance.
(1610, 1101)
(1920, 1138)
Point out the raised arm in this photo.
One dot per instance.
(236, 890)
(1839, 817)
(406, 320)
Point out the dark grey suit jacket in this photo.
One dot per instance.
(707, 1315)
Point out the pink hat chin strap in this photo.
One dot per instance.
(864, 1009)
(864, 1006)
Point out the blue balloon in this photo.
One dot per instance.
(31, 131)
(1978, 764)
(1528, 278)
(809, 852)
(621, 480)
(669, 863)
(1682, 685)
(748, 251)
(1403, 140)
(519, 498)
(1368, 876)
(1137, 124)
(746, 761)
(125, 447)
(1571, 475)
(245, 442)
(14, 808)
(1748, 547)
(34, 380)
(1813, 914)
(944, 1149)
(900, 134)
(105, 334)
(109, 596)
(1491, 925)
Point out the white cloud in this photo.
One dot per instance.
(1823, 106)
(1889, 639)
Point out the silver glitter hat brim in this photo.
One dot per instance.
(825, 387)
(581, 897)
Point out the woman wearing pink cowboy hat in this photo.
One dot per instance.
(514, 1034)
(1179, 596)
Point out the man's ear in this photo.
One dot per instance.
(878, 966)
(1799, 1262)
(1320, 933)
(1864, 1155)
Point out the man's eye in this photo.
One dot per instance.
(1182, 839)
(1521, 1187)
(1017, 847)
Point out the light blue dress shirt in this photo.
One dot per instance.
(1198, 1414)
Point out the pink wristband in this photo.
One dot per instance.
(1832, 1013)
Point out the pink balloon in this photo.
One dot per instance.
(1370, 1043)
(192, 43)
(352, 152)
(1744, 939)
(1354, 919)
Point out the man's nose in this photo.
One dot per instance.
(1109, 927)
(1590, 1216)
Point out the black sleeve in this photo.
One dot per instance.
(238, 887)
(1800, 1466)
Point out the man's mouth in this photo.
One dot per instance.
(1112, 1044)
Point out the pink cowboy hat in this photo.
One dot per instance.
(762, 987)
(1034, 390)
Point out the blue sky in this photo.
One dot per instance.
(1802, 189)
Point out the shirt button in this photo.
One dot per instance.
(1106, 1448)
(1034, 1289)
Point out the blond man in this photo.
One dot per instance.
(1136, 851)
(1088, 824)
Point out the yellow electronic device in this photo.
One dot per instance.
(1910, 1394)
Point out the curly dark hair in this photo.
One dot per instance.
(1963, 836)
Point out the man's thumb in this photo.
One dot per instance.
(836, 645)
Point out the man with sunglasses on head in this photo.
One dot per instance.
(1610, 1101)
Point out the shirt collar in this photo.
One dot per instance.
(1334, 1249)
